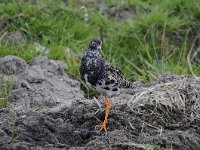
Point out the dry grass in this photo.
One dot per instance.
(167, 95)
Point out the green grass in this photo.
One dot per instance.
(156, 37)
(5, 88)
(149, 147)
(199, 147)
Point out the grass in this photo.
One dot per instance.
(13, 127)
(155, 38)
(5, 88)
(149, 147)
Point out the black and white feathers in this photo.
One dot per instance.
(101, 75)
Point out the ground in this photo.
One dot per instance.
(48, 110)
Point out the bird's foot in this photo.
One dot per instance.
(101, 126)
(108, 106)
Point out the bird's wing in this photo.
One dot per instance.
(116, 76)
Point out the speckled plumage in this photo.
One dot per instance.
(101, 75)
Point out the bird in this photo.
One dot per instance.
(102, 76)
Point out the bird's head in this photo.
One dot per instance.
(95, 45)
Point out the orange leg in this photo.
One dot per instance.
(108, 106)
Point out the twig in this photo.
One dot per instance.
(3, 36)
(133, 144)
(97, 102)
(161, 130)
(151, 126)
(162, 41)
(142, 127)
(131, 125)
(188, 58)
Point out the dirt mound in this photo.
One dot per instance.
(48, 111)
(40, 85)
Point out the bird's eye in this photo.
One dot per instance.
(93, 43)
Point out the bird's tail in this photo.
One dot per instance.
(125, 83)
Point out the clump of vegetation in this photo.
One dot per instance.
(5, 88)
(142, 38)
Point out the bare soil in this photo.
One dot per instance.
(48, 110)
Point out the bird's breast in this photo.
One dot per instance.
(93, 70)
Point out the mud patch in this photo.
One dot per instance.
(48, 111)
